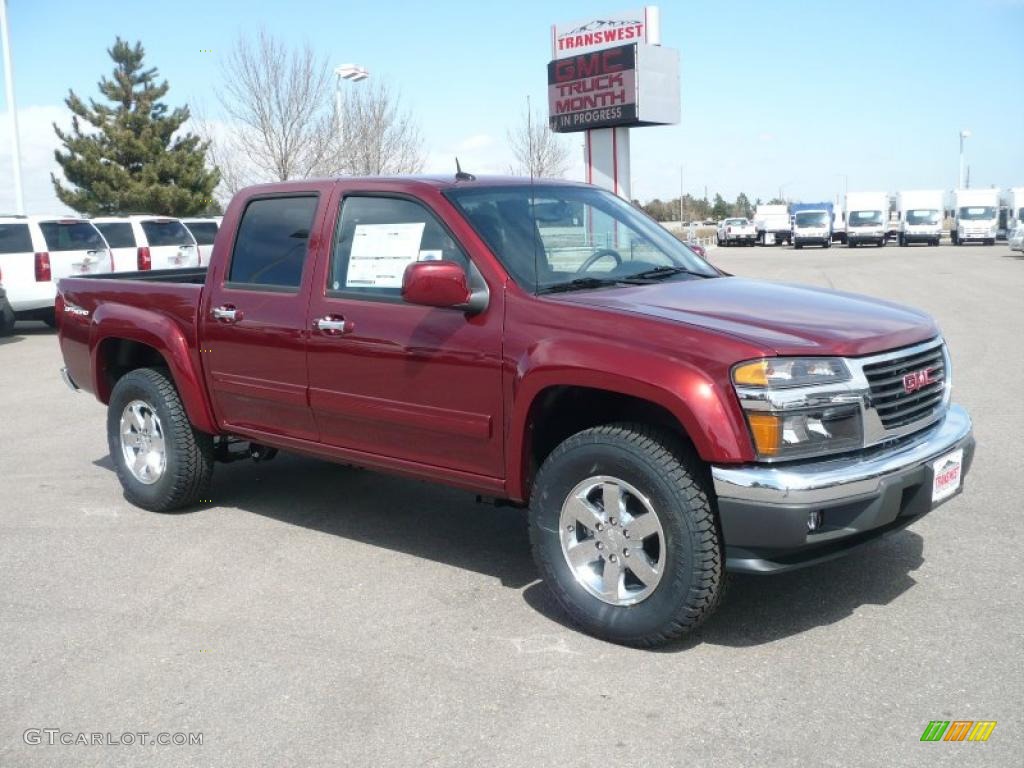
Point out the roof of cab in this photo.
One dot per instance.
(435, 181)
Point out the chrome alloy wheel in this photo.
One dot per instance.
(612, 540)
(142, 442)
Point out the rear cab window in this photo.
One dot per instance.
(161, 232)
(71, 236)
(15, 238)
(272, 242)
(117, 234)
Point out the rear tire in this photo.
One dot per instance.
(183, 475)
(6, 320)
(651, 473)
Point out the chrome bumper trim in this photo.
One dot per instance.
(66, 378)
(844, 477)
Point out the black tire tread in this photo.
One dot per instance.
(193, 467)
(680, 466)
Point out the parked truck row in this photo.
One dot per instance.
(912, 216)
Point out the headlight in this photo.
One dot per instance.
(777, 372)
(799, 407)
(810, 432)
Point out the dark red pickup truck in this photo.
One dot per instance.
(540, 343)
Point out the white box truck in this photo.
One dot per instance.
(867, 218)
(1013, 200)
(921, 214)
(975, 216)
(771, 222)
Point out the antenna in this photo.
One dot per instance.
(461, 175)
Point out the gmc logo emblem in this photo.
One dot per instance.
(916, 380)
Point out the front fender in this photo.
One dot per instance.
(120, 321)
(701, 400)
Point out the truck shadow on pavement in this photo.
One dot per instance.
(446, 525)
(24, 329)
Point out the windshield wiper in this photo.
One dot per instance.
(658, 273)
(580, 284)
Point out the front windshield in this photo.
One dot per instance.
(922, 217)
(811, 219)
(865, 218)
(978, 213)
(548, 236)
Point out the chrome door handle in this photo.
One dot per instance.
(334, 325)
(226, 314)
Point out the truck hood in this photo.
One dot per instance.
(778, 318)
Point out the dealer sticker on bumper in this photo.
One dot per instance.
(946, 475)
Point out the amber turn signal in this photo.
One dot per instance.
(767, 431)
(753, 374)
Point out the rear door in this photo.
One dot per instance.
(75, 248)
(253, 319)
(121, 239)
(171, 245)
(205, 232)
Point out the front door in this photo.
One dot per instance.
(410, 383)
(253, 326)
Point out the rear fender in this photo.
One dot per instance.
(157, 331)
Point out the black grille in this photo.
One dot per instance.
(896, 407)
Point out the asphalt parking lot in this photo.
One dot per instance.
(319, 615)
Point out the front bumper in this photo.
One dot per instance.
(764, 509)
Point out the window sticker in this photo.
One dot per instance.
(381, 252)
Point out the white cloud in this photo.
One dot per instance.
(38, 142)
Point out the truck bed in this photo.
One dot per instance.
(145, 306)
(191, 275)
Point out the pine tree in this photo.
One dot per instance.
(130, 160)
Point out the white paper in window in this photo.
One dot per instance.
(381, 252)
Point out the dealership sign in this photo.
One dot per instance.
(610, 30)
(624, 85)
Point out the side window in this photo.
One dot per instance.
(272, 242)
(378, 237)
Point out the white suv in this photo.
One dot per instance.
(37, 251)
(204, 230)
(143, 242)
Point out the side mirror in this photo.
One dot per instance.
(436, 284)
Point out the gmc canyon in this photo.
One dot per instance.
(543, 344)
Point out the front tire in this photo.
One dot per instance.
(623, 533)
(163, 463)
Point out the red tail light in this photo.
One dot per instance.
(144, 261)
(43, 273)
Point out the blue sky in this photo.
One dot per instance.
(775, 93)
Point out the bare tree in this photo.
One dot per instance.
(278, 101)
(379, 138)
(538, 150)
(281, 122)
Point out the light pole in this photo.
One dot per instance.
(964, 135)
(354, 74)
(12, 110)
